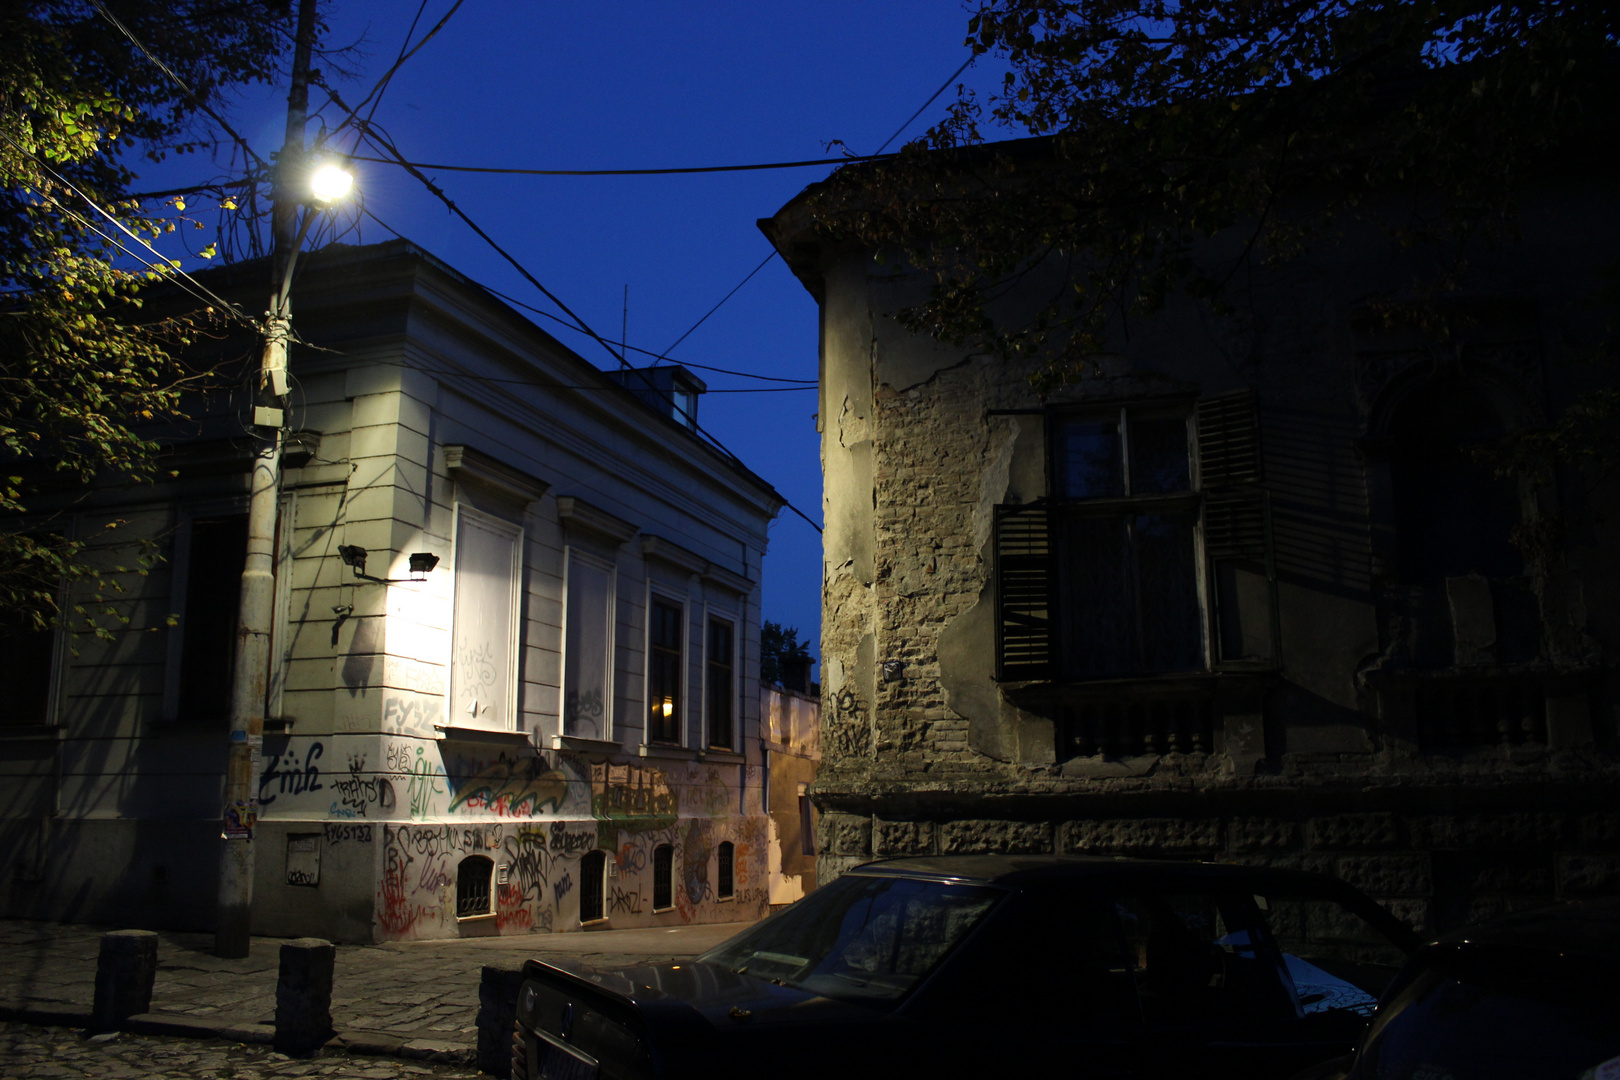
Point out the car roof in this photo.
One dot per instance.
(1589, 927)
(1013, 870)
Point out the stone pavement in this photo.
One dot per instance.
(408, 999)
(28, 1052)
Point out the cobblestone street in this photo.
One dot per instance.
(58, 1053)
(415, 1002)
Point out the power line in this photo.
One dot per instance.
(925, 104)
(851, 160)
(166, 266)
(722, 300)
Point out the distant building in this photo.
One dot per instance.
(557, 726)
(790, 732)
(1239, 594)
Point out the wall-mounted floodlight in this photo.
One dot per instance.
(423, 562)
(353, 555)
(330, 183)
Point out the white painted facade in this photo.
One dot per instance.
(471, 750)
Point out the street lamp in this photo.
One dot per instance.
(251, 676)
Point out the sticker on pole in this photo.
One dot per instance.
(240, 818)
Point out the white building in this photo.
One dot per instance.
(556, 725)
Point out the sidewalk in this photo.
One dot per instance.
(413, 999)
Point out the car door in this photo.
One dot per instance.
(1211, 989)
(1042, 988)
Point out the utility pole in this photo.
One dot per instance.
(250, 678)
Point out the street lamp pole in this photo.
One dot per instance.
(250, 677)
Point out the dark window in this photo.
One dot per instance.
(592, 875)
(26, 653)
(663, 877)
(720, 685)
(208, 625)
(664, 672)
(807, 824)
(1103, 580)
(1453, 515)
(473, 877)
(726, 864)
(1197, 959)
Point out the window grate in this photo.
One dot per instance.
(592, 887)
(473, 877)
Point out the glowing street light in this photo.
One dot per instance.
(331, 183)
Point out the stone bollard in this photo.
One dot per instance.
(125, 971)
(497, 1011)
(304, 996)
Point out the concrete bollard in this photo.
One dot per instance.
(125, 971)
(497, 1011)
(304, 996)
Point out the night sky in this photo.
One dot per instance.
(630, 85)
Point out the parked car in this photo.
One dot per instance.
(987, 965)
(1530, 995)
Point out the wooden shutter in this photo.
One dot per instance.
(1242, 580)
(1024, 608)
(1228, 441)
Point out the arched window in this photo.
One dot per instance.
(1453, 516)
(663, 877)
(726, 887)
(592, 879)
(473, 878)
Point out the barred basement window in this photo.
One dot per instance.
(474, 875)
(592, 885)
(726, 885)
(1152, 554)
(663, 877)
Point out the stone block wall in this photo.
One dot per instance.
(1436, 871)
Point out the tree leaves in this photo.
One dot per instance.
(83, 376)
(1165, 125)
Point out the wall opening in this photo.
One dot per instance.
(725, 886)
(663, 877)
(474, 875)
(592, 877)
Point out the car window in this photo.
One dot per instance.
(863, 938)
(1195, 960)
(1049, 963)
(1335, 960)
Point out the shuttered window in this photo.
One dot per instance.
(587, 647)
(1152, 555)
(483, 669)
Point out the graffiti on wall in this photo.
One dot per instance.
(508, 786)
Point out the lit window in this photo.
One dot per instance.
(664, 672)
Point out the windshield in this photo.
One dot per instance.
(859, 938)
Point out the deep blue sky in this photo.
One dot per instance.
(645, 85)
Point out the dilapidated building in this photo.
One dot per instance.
(1237, 593)
(555, 726)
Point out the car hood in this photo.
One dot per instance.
(722, 997)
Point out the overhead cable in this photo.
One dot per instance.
(850, 160)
